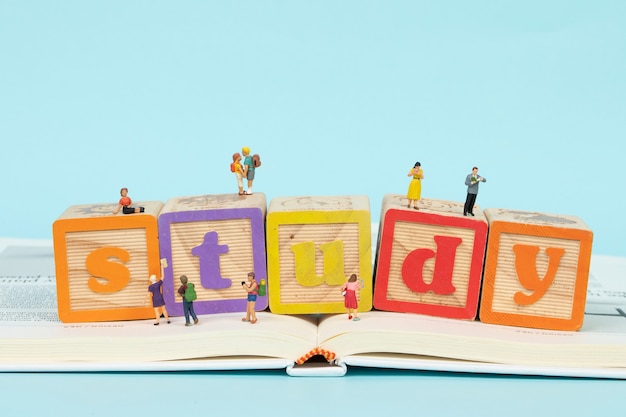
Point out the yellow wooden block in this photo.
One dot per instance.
(536, 270)
(313, 245)
(103, 262)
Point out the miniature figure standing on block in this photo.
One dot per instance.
(126, 204)
(252, 288)
(350, 289)
(188, 293)
(415, 187)
(236, 167)
(472, 180)
(250, 163)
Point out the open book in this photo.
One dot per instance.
(32, 339)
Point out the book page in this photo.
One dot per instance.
(607, 281)
(27, 283)
(31, 332)
(600, 343)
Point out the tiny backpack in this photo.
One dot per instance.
(256, 160)
(190, 293)
(232, 167)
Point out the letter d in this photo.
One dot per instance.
(413, 267)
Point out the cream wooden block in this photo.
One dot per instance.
(536, 270)
(313, 245)
(215, 240)
(430, 260)
(103, 262)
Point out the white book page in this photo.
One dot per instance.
(28, 317)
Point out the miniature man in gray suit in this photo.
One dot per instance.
(472, 181)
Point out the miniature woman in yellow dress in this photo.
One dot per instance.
(415, 187)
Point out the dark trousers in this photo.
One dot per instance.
(469, 203)
(188, 308)
(131, 210)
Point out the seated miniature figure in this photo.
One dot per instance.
(126, 204)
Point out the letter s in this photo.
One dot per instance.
(116, 273)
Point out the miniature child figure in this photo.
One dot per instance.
(415, 187)
(248, 168)
(125, 204)
(157, 299)
(188, 292)
(253, 289)
(350, 299)
(238, 170)
(472, 180)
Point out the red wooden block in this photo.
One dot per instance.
(429, 261)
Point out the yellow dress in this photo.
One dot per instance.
(415, 187)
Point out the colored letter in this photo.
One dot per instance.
(526, 268)
(209, 258)
(413, 267)
(305, 263)
(99, 266)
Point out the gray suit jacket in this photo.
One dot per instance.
(473, 188)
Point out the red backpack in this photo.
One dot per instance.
(256, 160)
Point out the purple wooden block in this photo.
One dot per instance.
(215, 240)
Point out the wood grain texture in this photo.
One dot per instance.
(405, 232)
(238, 225)
(116, 286)
(324, 224)
(234, 265)
(556, 300)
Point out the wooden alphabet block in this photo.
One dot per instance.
(215, 240)
(430, 260)
(103, 262)
(314, 244)
(536, 270)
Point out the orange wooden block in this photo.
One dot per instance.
(103, 262)
(536, 270)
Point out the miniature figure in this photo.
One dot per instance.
(238, 170)
(253, 289)
(472, 180)
(125, 204)
(415, 187)
(248, 168)
(188, 292)
(349, 291)
(157, 299)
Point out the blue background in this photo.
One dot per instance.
(338, 97)
(362, 392)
